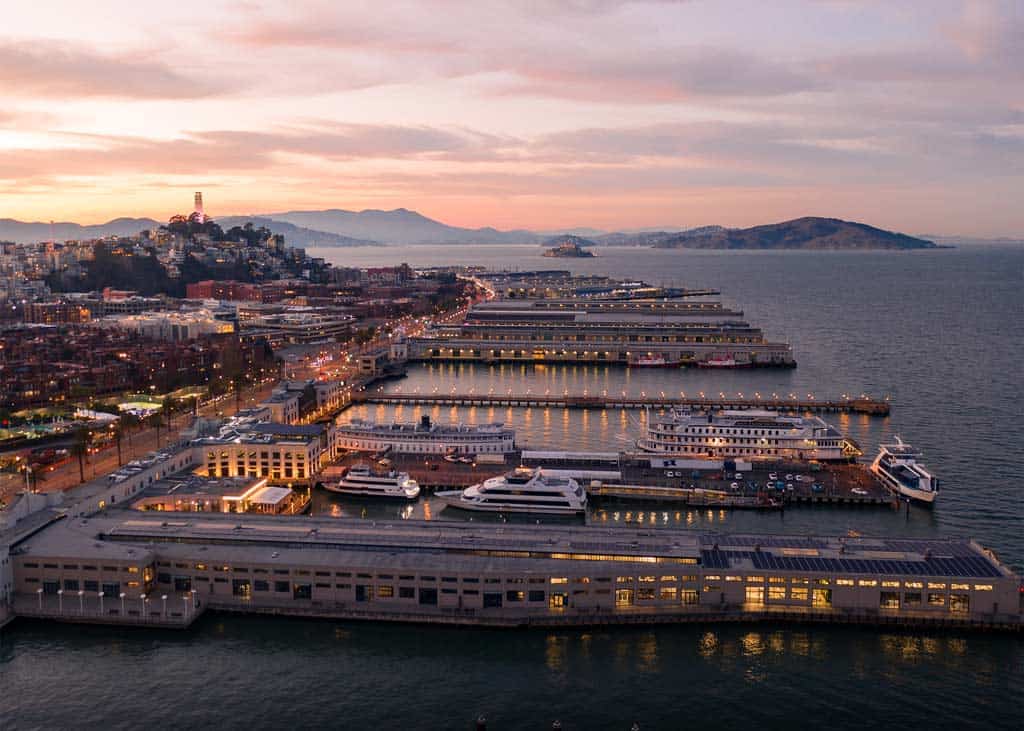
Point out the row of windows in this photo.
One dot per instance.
(82, 567)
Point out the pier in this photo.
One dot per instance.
(860, 405)
(501, 575)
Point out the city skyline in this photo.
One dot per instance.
(616, 115)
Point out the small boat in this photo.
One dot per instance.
(524, 490)
(361, 480)
(653, 360)
(726, 361)
(896, 466)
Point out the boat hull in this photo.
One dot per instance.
(925, 497)
(454, 500)
(359, 492)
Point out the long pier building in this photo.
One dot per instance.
(121, 566)
(665, 332)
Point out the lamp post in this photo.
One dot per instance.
(100, 595)
(39, 593)
(142, 601)
(81, 601)
(164, 599)
(60, 600)
(122, 603)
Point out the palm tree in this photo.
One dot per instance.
(238, 382)
(155, 420)
(168, 407)
(128, 422)
(116, 430)
(80, 448)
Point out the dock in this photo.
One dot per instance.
(631, 478)
(865, 406)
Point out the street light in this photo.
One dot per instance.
(101, 595)
(60, 600)
(122, 603)
(39, 593)
(81, 601)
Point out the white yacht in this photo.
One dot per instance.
(745, 434)
(524, 490)
(361, 480)
(896, 466)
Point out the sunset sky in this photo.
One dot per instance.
(907, 114)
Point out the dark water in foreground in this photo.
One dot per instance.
(941, 332)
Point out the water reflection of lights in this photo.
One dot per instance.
(554, 652)
(708, 644)
(752, 643)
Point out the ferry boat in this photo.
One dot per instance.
(897, 467)
(745, 434)
(426, 437)
(524, 490)
(361, 480)
(726, 361)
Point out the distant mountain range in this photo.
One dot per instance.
(401, 226)
(26, 232)
(338, 227)
(295, 235)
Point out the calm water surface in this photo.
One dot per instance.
(941, 333)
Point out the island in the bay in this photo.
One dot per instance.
(568, 247)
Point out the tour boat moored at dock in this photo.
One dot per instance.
(361, 480)
(524, 490)
(897, 468)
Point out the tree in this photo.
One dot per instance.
(155, 420)
(80, 448)
(168, 407)
(128, 422)
(116, 431)
(238, 383)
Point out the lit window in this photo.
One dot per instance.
(867, 582)
(936, 600)
(710, 577)
(559, 580)
(668, 578)
(844, 582)
(983, 587)
(755, 579)
(623, 579)
(913, 585)
(959, 587)
(891, 584)
(732, 578)
(936, 585)
(776, 592)
(798, 594)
